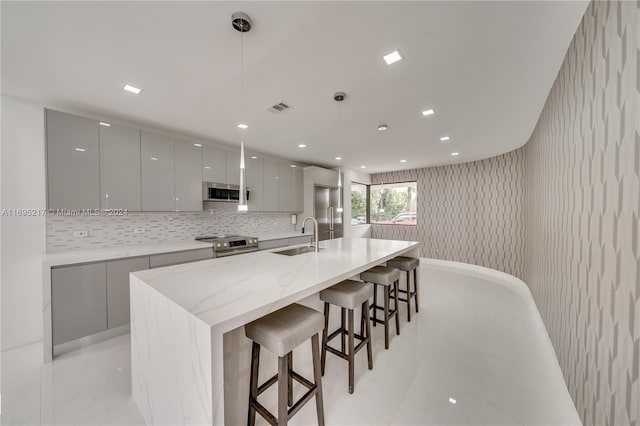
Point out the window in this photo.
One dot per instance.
(394, 203)
(359, 204)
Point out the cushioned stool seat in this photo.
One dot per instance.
(284, 330)
(383, 275)
(281, 332)
(388, 278)
(408, 265)
(348, 295)
(404, 263)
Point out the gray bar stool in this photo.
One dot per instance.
(348, 295)
(281, 332)
(385, 276)
(408, 265)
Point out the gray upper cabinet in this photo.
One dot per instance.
(325, 177)
(298, 187)
(233, 167)
(188, 177)
(73, 165)
(255, 172)
(270, 185)
(285, 186)
(118, 288)
(78, 301)
(214, 164)
(119, 168)
(156, 162)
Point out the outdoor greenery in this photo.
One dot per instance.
(387, 201)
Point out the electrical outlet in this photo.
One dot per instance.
(80, 234)
(140, 230)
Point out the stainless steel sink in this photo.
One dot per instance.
(296, 251)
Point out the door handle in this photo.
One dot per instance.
(331, 218)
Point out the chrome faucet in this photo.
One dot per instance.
(315, 232)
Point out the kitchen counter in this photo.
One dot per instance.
(187, 344)
(120, 252)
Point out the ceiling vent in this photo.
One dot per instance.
(279, 107)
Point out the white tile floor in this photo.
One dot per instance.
(473, 342)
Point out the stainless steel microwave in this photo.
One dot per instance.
(221, 192)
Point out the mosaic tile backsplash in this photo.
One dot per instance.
(108, 231)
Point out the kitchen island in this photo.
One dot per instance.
(187, 343)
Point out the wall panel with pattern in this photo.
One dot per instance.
(472, 212)
(582, 212)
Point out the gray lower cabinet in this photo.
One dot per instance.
(157, 173)
(78, 301)
(119, 168)
(118, 271)
(73, 165)
(188, 178)
(166, 259)
(269, 244)
(306, 239)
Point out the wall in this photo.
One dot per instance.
(105, 231)
(23, 238)
(583, 206)
(471, 212)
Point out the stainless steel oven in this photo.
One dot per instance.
(229, 245)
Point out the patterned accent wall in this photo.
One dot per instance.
(583, 207)
(472, 212)
(107, 231)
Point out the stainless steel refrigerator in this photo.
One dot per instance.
(326, 212)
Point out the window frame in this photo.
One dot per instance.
(390, 224)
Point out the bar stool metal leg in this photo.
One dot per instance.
(415, 285)
(317, 377)
(386, 317)
(375, 303)
(283, 390)
(324, 336)
(365, 319)
(395, 305)
(408, 296)
(290, 379)
(253, 386)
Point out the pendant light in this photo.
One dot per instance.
(381, 128)
(242, 22)
(339, 97)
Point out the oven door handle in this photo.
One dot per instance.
(233, 252)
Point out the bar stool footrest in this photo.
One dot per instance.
(266, 414)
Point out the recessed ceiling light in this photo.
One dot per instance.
(292, 165)
(253, 157)
(102, 123)
(392, 57)
(301, 145)
(242, 126)
(455, 154)
(338, 158)
(428, 112)
(197, 144)
(403, 161)
(132, 89)
(207, 167)
(153, 158)
(445, 138)
(80, 149)
(363, 167)
(382, 127)
(451, 400)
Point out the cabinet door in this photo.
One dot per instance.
(297, 204)
(270, 185)
(325, 177)
(78, 301)
(156, 161)
(285, 186)
(214, 164)
(119, 168)
(255, 171)
(188, 179)
(118, 288)
(233, 167)
(73, 165)
(166, 259)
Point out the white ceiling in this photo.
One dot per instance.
(485, 67)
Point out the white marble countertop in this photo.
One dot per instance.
(228, 292)
(120, 252)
